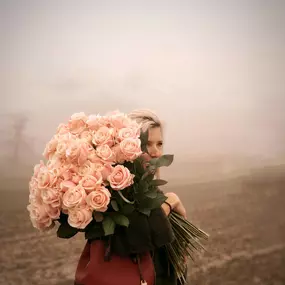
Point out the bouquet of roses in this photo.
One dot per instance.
(95, 175)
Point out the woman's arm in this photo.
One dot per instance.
(175, 203)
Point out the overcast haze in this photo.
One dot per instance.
(213, 70)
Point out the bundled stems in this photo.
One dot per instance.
(187, 241)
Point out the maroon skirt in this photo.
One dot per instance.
(93, 269)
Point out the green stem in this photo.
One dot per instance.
(186, 243)
(125, 199)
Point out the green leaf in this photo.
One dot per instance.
(98, 217)
(108, 226)
(145, 211)
(130, 166)
(148, 175)
(128, 209)
(145, 203)
(151, 176)
(164, 160)
(152, 203)
(158, 182)
(161, 197)
(63, 218)
(115, 205)
(138, 166)
(94, 231)
(153, 161)
(120, 219)
(66, 231)
(142, 186)
(151, 194)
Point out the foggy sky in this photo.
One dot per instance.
(213, 70)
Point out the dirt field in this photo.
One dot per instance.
(245, 218)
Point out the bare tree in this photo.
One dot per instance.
(18, 139)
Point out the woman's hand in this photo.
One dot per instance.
(175, 203)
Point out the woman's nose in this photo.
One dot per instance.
(154, 152)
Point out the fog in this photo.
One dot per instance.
(214, 71)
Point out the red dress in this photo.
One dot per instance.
(130, 257)
(92, 268)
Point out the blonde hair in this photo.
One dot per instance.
(147, 118)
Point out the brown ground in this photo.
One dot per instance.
(245, 218)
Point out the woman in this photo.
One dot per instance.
(151, 123)
(142, 259)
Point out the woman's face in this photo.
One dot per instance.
(155, 142)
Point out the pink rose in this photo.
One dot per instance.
(62, 129)
(33, 184)
(86, 136)
(55, 162)
(69, 170)
(66, 185)
(55, 168)
(77, 123)
(99, 199)
(66, 136)
(119, 120)
(78, 152)
(61, 148)
(118, 154)
(91, 182)
(51, 197)
(125, 133)
(106, 171)
(39, 217)
(79, 217)
(85, 149)
(131, 148)
(72, 150)
(95, 122)
(56, 171)
(97, 163)
(35, 193)
(120, 178)
(66, 173)
(76, 178)
(46, 178)
(86, 169)
(38, 167)
(104, 135)
(50, 148)
(52, 212)
(105, 152)
(58, 183)
(92, 122)
(93, 156)
(43, 226)
(74, 197)
(114, 113)
(73, 168)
